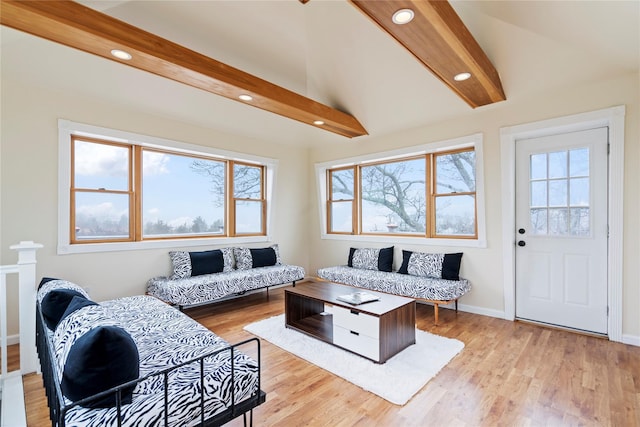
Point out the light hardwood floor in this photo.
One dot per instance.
(509, 374)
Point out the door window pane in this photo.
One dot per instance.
(579, 162)
(538, 221)
(539, 193)
(455, 215)
(558, 164)
(579, 191)
(558, 193)
(580, 220)
(101, 216)
(558, 221)
(538, 168)
(181, 195)
(98, 165)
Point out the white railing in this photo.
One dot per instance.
(11, 382)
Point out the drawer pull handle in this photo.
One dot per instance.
(354, 333)
(357, 313)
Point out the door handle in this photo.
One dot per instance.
(522, 243)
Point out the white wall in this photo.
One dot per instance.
(484, 266)
(28, 187)
(29, 195)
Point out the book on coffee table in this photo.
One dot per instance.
(357, 298)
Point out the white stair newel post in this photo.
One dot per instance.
(27, 303)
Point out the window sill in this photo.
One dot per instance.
(66, 249)
(466, 243)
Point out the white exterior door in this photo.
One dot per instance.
(561, 230)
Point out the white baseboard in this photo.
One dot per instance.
(13, 339)
(631, 339)
(481, 310)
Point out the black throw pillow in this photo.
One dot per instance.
(451, 266)
(263, 257)
(102, 358)
(206, 262)
(350, 260)
(55, 303)
(385, 259)
(405, 262)
(76, 304)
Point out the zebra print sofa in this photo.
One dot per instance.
(239, 270)
(136, 361)
(432, 278)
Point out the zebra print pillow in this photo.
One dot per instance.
(183, 265)
(371, 259)
(439, 266)
(245, 259)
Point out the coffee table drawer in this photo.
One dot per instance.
(356, 321)
(358, 343)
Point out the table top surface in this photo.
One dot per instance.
(328, 292)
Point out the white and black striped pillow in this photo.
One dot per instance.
(186, 264)
(371, 258)
(248, 258)
(438, 265)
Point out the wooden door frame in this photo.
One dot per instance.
(613, 118)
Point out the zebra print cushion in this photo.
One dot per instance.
(244, 260)
(371, 259)
(428, 265)
(166, 337)
(210, 287)
(439, 266)
(398, 284)
(181, 262)
(58, 284)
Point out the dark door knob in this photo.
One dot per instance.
(521, 231)
(522, 243)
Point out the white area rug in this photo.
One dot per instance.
(397, 380)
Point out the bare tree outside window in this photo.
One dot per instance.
(393, 195)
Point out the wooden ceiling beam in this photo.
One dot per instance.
(86, 29)
(438, 38)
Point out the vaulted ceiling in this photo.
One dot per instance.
(328, 51)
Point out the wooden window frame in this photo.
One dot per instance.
(74, 190)
(431, 195)
(231, 230)
(135, 184)
(330, 201)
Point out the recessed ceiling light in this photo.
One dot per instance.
(318, 122)
(461, 77)
(402, 16)
(245, 97)
(121, 54)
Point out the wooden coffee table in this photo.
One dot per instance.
(376, 330)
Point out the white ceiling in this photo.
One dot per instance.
(328, 51)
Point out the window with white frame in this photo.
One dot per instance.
(125, 188)
(428, 192)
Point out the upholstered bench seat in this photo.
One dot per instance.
(436, 291)
(206, 288)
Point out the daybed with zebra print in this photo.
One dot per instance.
(136, 361)
(433, 278)
(206, 276)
